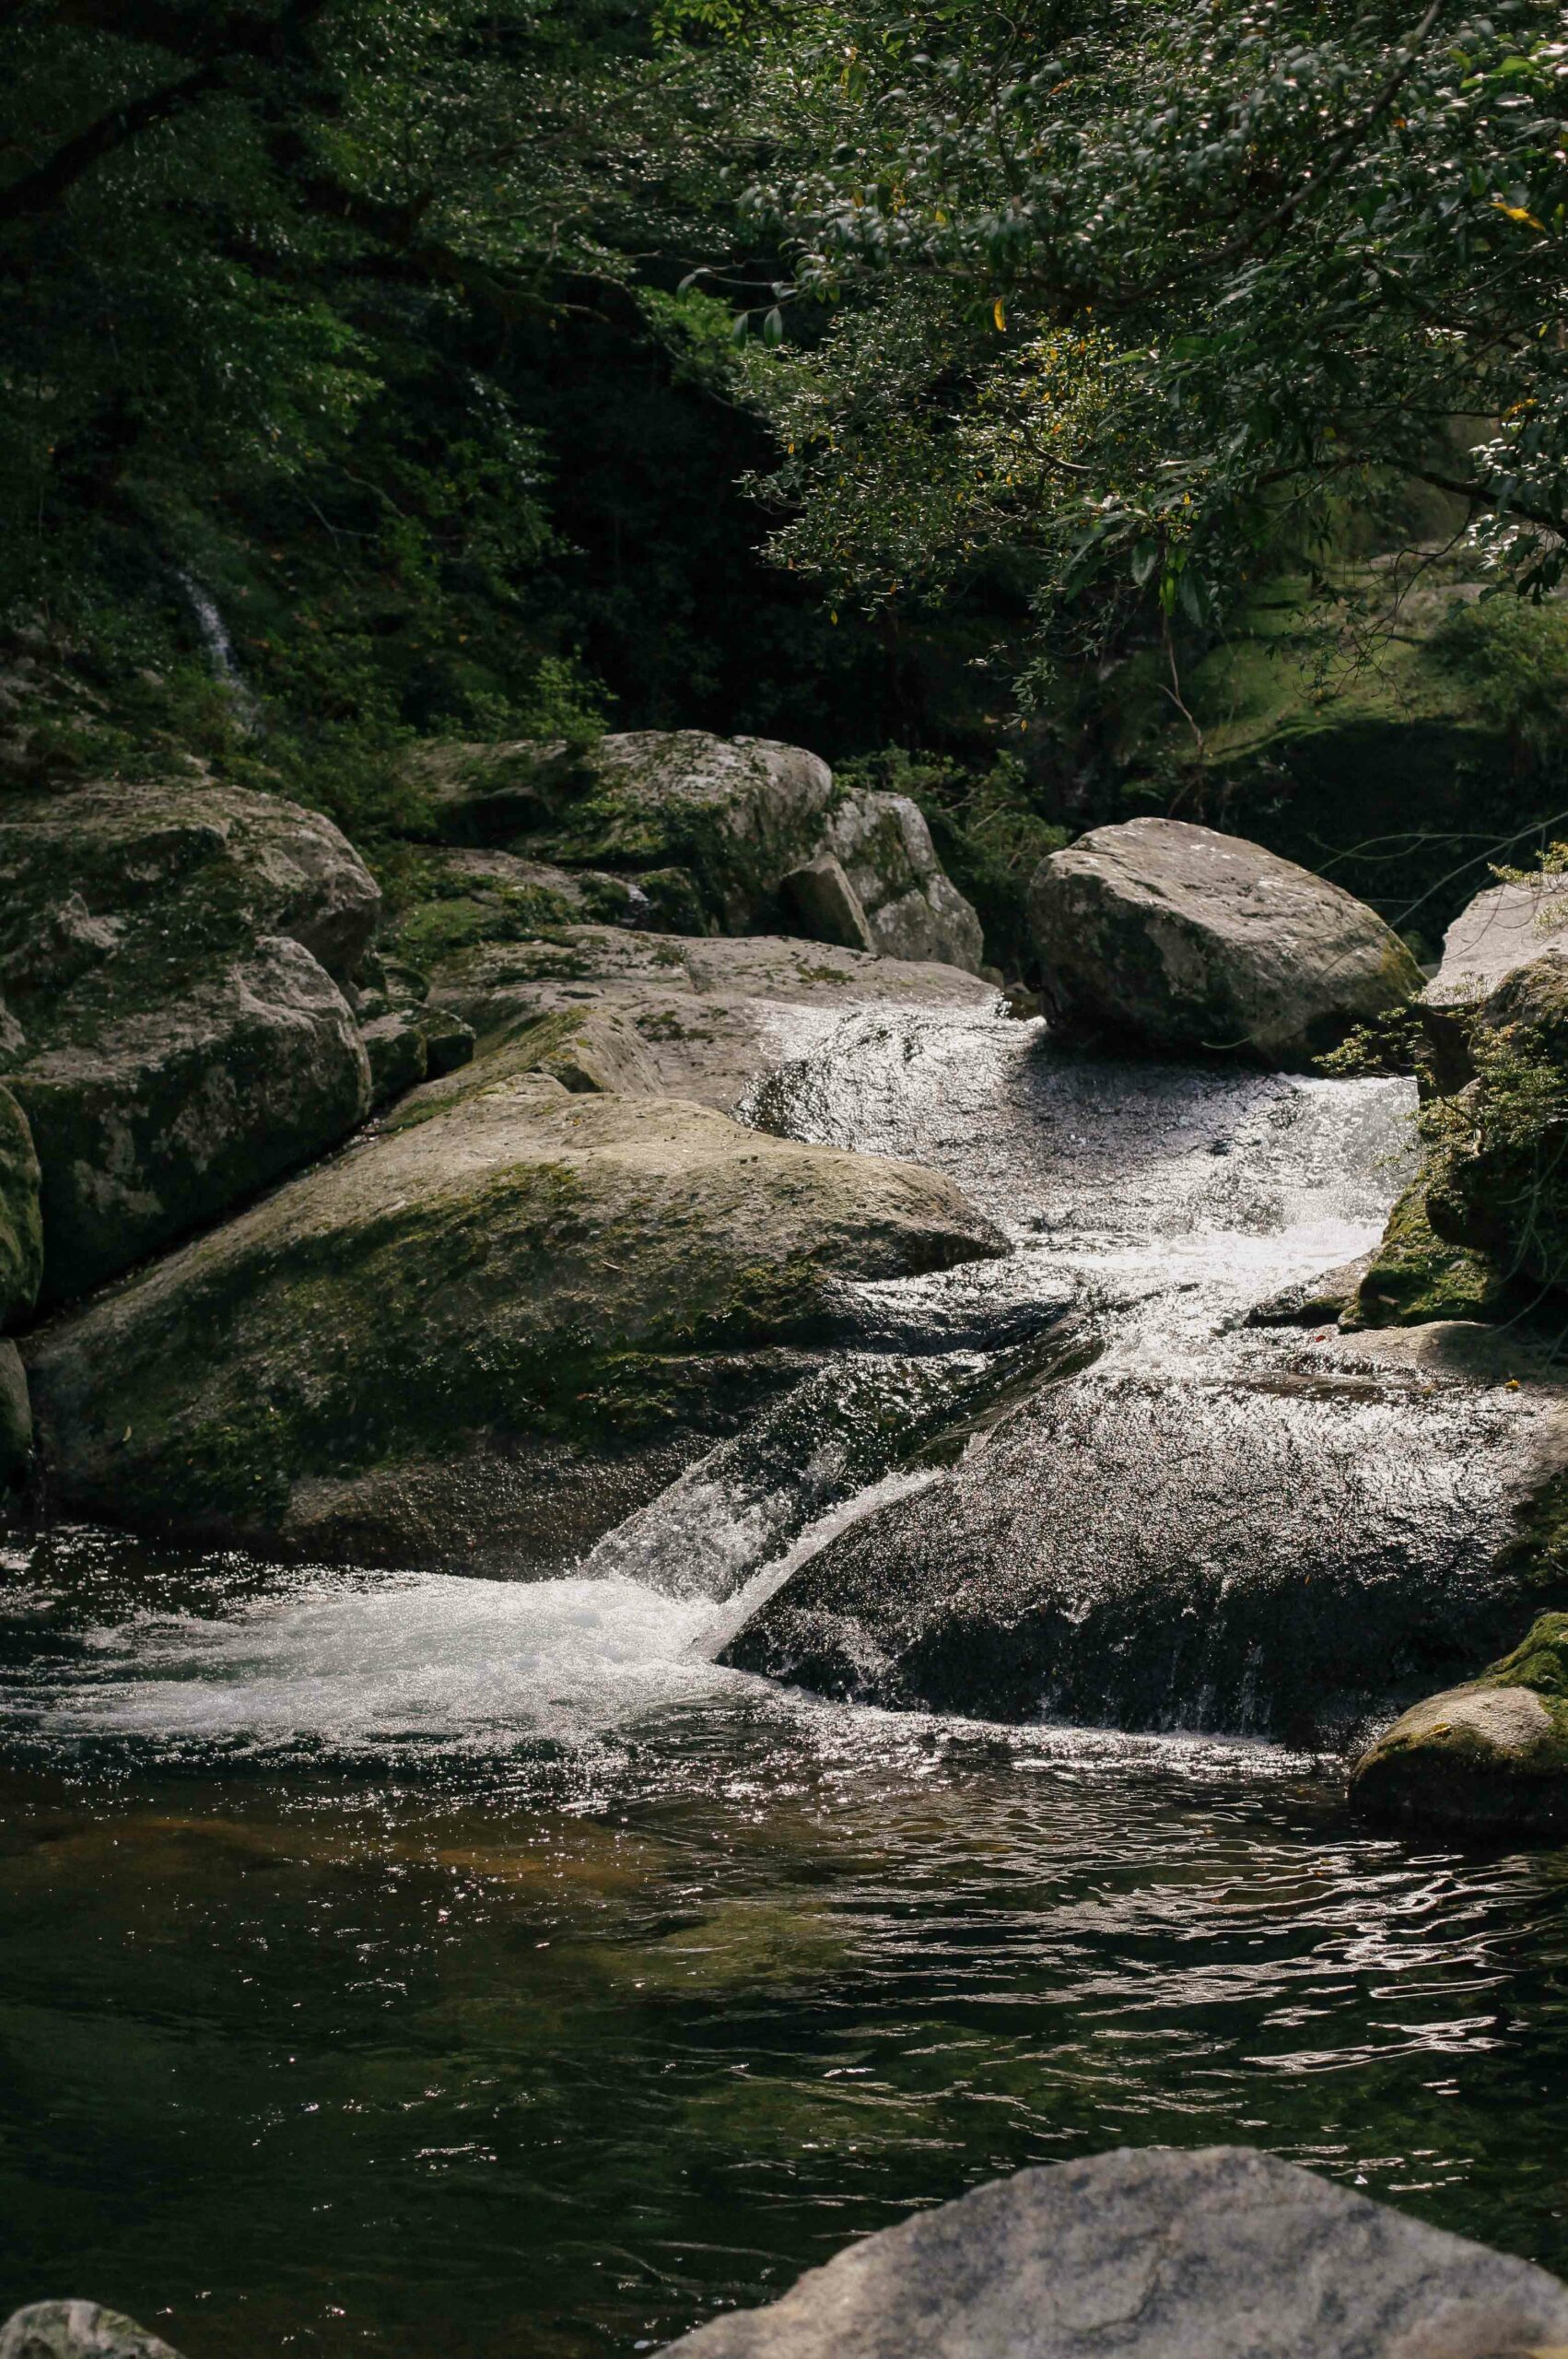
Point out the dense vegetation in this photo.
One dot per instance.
(1044, 407)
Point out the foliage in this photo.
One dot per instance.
(1152, 293)
(1514, 660)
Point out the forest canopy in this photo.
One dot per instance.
(512, 365)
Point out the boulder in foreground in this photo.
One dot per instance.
(1222, 2253)
(483, 1336)
(1490, 1755)
(1170, 937)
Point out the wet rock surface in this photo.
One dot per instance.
(480, 1337)
(1489, 1756)
(1221, 2253)
(709, 1018)
(1276, 1550)
(1177, 938)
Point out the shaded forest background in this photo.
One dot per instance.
(424, 352)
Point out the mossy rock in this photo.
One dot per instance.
(21, 1214)
(172, 954)
(1492, 1756)
(479, 1335)
(733, 814)
(1416, 1276)
(912, 907)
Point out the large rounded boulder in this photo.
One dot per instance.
(482, 1337)
(174, 956)
(1166, 936)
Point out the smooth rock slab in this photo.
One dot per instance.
(1221, 2253)
(1174, 937)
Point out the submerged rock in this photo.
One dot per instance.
(77, 2330)
(1221, 2253)
(483, 1336)
(1491, 1755)
(1281, 1548)
(174, 953)
(1173, 937)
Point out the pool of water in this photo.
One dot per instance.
(402, 1965)
(394, 1965)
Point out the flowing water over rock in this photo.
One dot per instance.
(396, 1964)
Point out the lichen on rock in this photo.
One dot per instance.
(1491, 1755)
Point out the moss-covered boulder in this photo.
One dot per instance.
(480, 1337)
(21, 1214)
(448, 899)
(912, 907)
(1492, 1756)
(172, 956)
(734, 812)
(1415, 1275)
(1174, 938)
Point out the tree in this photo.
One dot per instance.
(1156, 293)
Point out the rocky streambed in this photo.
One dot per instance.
(752, 1601)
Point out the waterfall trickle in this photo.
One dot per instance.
(220, 647)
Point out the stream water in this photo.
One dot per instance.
(403, 1964)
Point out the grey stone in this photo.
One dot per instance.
(913, 907)
(828, 905)
(479, 1337)
(1506, 927)
(1279, 1547)
(394, 1046)
(175, 951)
(1220, 2253)
(1169, 936)
(173, 1112)
(77, 2330)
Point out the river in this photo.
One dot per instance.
(400, 1964)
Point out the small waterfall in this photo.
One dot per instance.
(224, 662)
